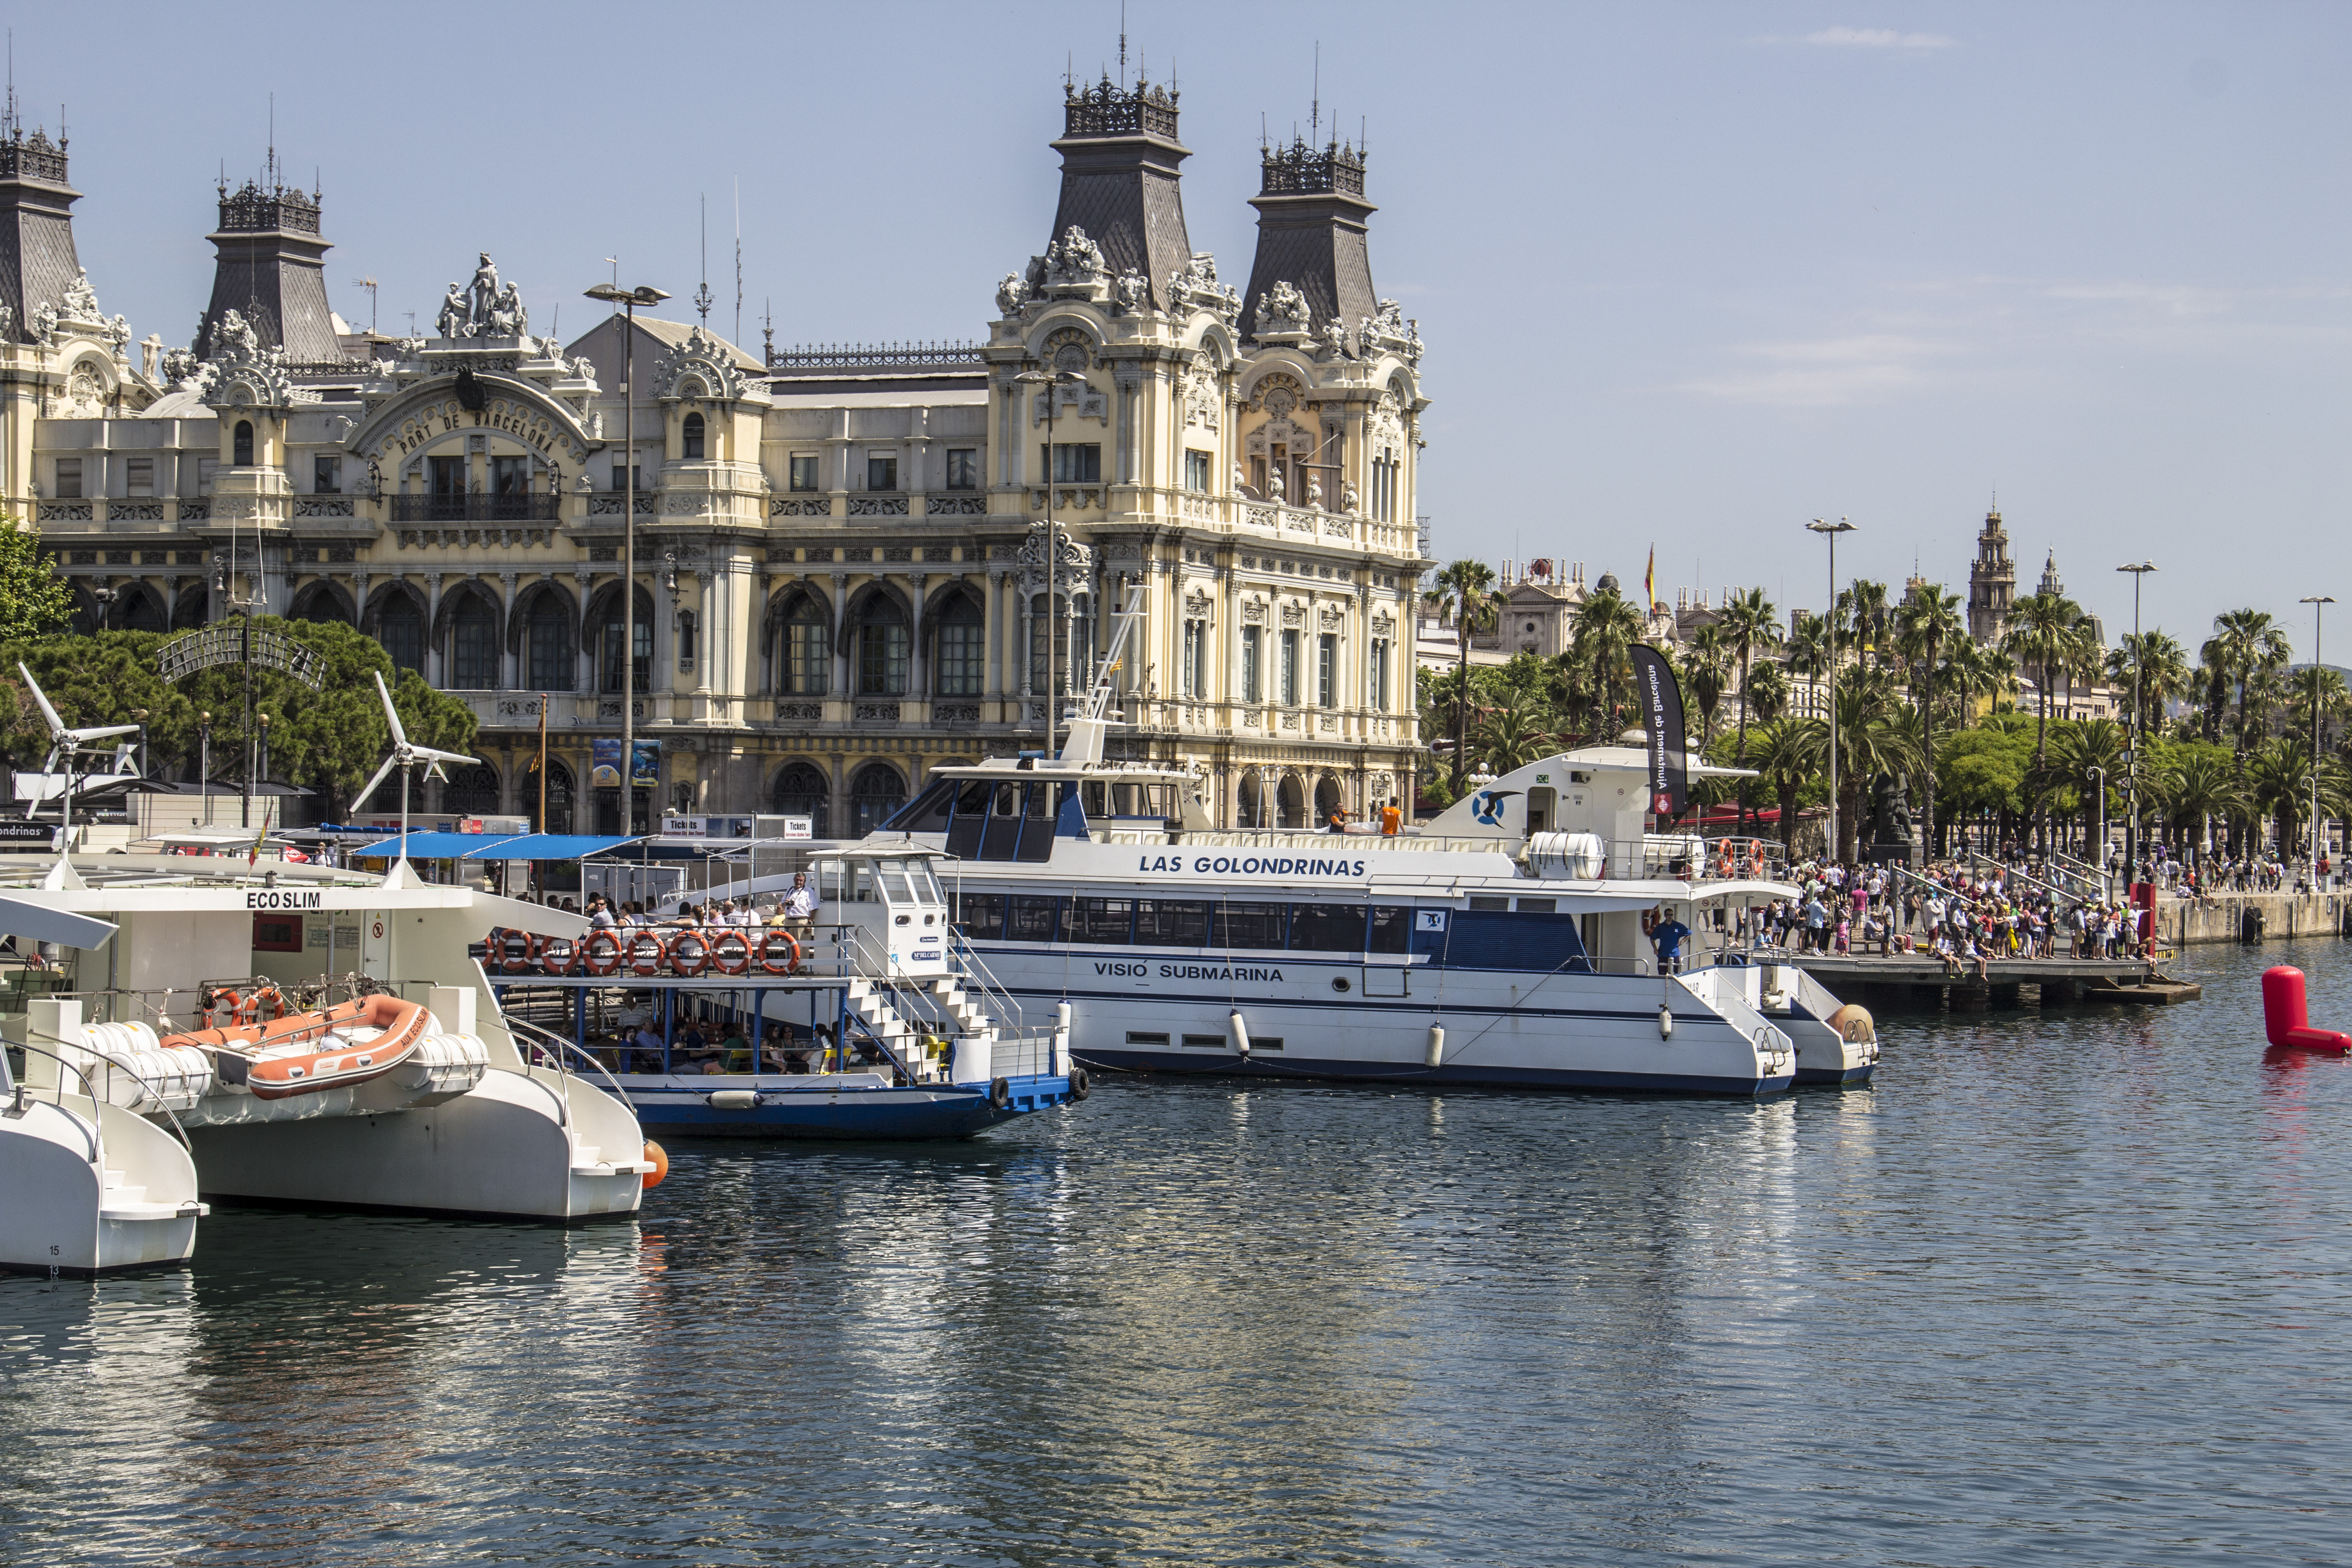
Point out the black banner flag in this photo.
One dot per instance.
(1661, 716)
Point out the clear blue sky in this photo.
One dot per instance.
(1688, 275)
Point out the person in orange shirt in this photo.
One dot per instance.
(1391, 819)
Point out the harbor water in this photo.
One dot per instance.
(2067, 1287)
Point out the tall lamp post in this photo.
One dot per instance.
(2314, 601)
(1050, 380)
(1831, 531)
(2106, 890)
(2139, 570)
(628, 299)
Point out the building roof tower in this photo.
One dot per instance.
(271, 267)
(1120, 180)
(1311, 213)
(1992, 582)
(37, 263)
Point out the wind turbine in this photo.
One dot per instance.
(406, 754)
(66, 744)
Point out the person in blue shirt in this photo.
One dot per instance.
(1668, 936)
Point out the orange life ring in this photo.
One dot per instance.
(647, 951)
(730, 952)
(514, 959)
(690, 953)
(559, 955)
(268, 997)
(224, 1002)
(767, 953)
(601, 954)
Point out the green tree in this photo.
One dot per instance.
(1752, 624)
(34, 600)
(1607, 627)
(2160, 665)
(1788, 753)
(1927, 624)
(1465, 592)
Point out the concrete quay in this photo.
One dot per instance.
(2223, 917)
(1921, 981)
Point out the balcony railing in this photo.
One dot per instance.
(530, 508)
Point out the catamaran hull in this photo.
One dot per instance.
(1558, 1031)
(667, 1109)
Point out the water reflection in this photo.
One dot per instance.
(2070, 1280)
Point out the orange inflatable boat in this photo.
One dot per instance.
(278, 1073)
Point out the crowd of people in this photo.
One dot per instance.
(1966, 916)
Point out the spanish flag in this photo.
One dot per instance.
(1650, 584)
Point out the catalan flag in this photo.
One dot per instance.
(1650, 584)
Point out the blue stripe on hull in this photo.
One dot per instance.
(1204, 1065)
(877, 1114)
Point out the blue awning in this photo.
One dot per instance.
(435, 846)
(542, 847)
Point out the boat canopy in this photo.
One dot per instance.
(492, 846)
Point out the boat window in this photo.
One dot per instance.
(894, 883)
(1040, 803)
(1539, 906)
(981, 915)
(1093, 798)
(1488, 902)
(861, 883)
(1392, 928)
(1099, 920)
(1008, 800)
(828, 881)
(1326, 928)
(927, 884)
(973, 799)
(1206, 1042)
(1266, 1042)
(1144, 1038)
(1249, 925)
(928, 812)
(1032, 918)
(1171, 922)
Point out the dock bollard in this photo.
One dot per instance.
(2286, 1014)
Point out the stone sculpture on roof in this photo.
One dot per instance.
(482, 308)
(456, 317)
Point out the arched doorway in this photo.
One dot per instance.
(1249, 799)
(559, 788)
(1290, 803)
(801, 790)
(1326, 799)
(875, 793)
(471, 790)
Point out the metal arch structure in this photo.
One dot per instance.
(208, 647)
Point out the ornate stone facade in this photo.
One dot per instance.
(844, 574)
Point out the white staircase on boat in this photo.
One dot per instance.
(883, 1010)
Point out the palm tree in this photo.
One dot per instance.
(1751, 622)
(1808, 651)
(1607, 627)
(2213, 669)
(2279, 782)
(1515, 732)
(1706, 669)
(2159, 664)
(1789, 753)
(1928, 622)
(1863, 605)
(1465, 591)
(1870, 741)
(2199, 788)
(1766, 696)
(2042, 632)
(2085, 753)
(2251, 642)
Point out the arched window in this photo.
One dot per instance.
(805, 668)
(875, 793)
(401, 630)
(320, 602)
(473, 647)
(801, 791)
(608, 658)
(1289, 803)
(693, 436)
(189, 613)
(1326, 799)
(1249, 804)
(962, 648)
(139, 610)
(881, 650)
(471, 790)
(241, 451)
(548, 636)
(559, 798)
(1073, 636)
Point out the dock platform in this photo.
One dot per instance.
(2131, 981)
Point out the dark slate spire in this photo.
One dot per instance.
(1119, 178)
(37, 263)
(271, 270)
(1310, 234)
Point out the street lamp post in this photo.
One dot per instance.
(628, 299)
(1051, 380)
(2139, 570)
(1831, 531)
(2314, 601)
(2106, 890)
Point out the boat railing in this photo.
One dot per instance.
(543, 1037)
(92, 1132)
(978, 978)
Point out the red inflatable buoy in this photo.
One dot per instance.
(2286, 1014)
